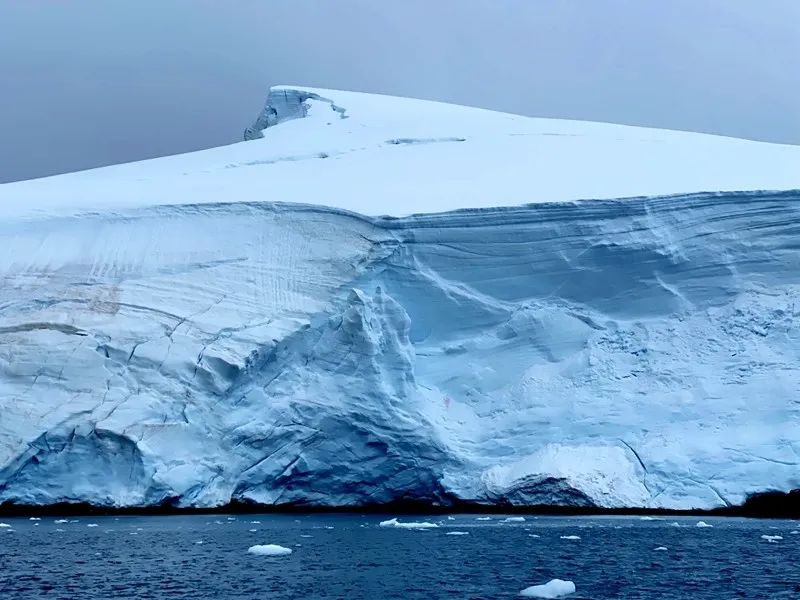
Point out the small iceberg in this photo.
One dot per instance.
(794, 532)
(303, 535)
(61, 521)
(514, 520)
(252, 530)
(533, 535)
(570, 537)
(199, 542)
(703, 524)
(661, 549)
(4, 525)
(484, 519)
(92, 525)
(457, 533)
(451, 518)
(410, 525)
(674, 524)
(34, 519)
(269, 550)
(772, 538)
(555, 588)
(647, 518)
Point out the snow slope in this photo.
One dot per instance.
(231, 324)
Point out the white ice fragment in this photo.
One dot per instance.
(794, 532)
(451, 518)
(4, 525)
(570, 537)
(59, 530)
(514, 520)
(533, 535)
(92, 525)
(410, 525)
(328, 526)
(648, 518)
(703, 524)
(255, 522)
(269, 550)
(61, 521)
(252, 530)
(555, 588)
(661, 548)
(198, 542)
(675, 524)
(457, 533)
(772, 538)
(484, 519)
(303, 535)
(231, 518)
(34, 519)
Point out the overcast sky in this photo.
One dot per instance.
(85, 83)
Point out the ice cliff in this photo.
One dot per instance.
(382, 299)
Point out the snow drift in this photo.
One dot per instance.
(241, 323)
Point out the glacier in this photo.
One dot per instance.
(377, 300)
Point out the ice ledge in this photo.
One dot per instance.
(285, 103)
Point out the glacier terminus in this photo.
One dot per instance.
(378, 299)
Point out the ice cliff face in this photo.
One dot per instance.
(639, 352)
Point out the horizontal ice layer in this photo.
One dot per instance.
(380, 155)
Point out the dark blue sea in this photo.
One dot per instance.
(352, 557)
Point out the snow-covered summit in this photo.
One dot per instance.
(204, 328)
(382, 155)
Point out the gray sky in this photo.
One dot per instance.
(85, 83)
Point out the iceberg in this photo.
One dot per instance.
(380, 299)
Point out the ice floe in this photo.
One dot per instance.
(555, 588)
(269, 550)
(570, 537)
(410, 525)
(703, 524)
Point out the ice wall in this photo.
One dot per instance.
(638, 352)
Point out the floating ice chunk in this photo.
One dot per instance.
(410, 525)
(252, 530)
(35, 524)
(217, 522)
(570, 537)
(269, 550)
(533, 535)
(648, 518)
(772, 538)
(674, 524)
(484, 519)
(703, 524)
(451, 518)
(661, 548)
(34, 519)
(61, 521)
(514, 520)
(198, 542)
(231, 518)
(92, 525)
(794, 532)
(255, 522)
(303, 535)
(555, 588)
(4, 525)
(59, 530)
(328, 526)
(457, 533)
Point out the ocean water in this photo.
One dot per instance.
(352, 557)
